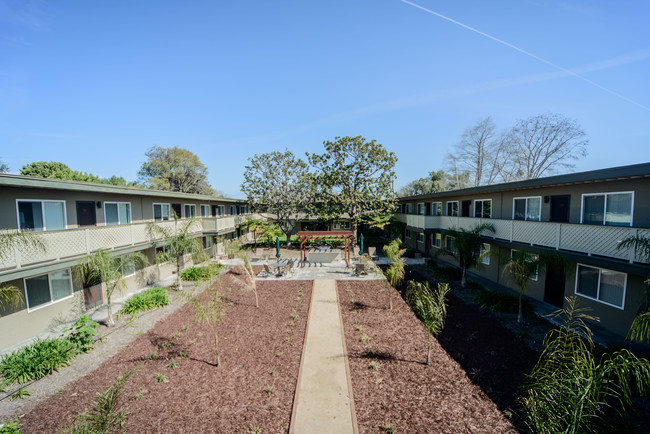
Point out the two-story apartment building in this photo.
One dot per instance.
(74, 219)
(583, 216)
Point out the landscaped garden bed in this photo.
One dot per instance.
(177, 386)
(476, 370)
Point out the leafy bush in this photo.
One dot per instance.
(37, 360)
(201, 273)
(10, 427)
(82, 334)
(430, 306)
(497, 301)
(447, 273)
(152, 298)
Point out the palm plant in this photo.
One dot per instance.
(468, 245)
(102, 266)
(179, 242)
(395, 271)
(640, 328)
(572, 390)
(430, 307)
(10, 295)
(249, 273)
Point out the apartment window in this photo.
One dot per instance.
(117, 213)
(207, 242)
(483, 208)
(420, 237)
(600, 284)
(399, 208)
(452, 208)
(221, 210)
(161, 211)
(527, 208)
(436, 208)
(535, 257)
(420, 209)
(342, 225)
(436, 240)
(41, 215)
(233, 210)
(190, 211)
(408, 233)
(205, 210)
(611, 209)
(450, 243)
(484, 254)
(128, 269)
(48, 288)
(408, 208)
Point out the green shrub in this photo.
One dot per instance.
(152, 298)
(447, 273)
(201, 273)
(10, 427)
(37, 360)
(82, 334)
(496, 301)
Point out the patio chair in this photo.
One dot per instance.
(287, 269)
(360, 269)
(372, 252)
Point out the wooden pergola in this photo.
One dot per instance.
(346, 236)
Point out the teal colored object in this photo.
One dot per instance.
(361, 244)
(277, 247)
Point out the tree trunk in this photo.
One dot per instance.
(390, 298)
(520, 315)
(216, 346)
(463, 278)
(110, 322)
(428, 348)
(179, 282)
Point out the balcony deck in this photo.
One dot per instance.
(587, 239)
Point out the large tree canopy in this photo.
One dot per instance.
(57, 170)
(175, 169)
(434, 183)
(280, 183)
(355, 177)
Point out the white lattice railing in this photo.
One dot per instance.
(588, 239)
(71, 243)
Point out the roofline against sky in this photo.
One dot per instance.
(611, 173)
(8, 180)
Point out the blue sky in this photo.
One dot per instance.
(95, 84)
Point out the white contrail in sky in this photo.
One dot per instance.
(527, 53)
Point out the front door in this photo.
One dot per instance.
(86, 214)
(465, 208)
(554, 287)
(560, 208)
(176, 207)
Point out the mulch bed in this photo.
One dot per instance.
(409, 396)
(197, 396)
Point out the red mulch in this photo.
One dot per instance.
(404, 392)
(198, 396)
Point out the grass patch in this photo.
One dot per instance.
(152, 298)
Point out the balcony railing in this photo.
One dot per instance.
(75, 243)
(587, 239)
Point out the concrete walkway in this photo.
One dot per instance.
(323, 401)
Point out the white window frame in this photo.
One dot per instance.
(191, 206)
(420, 237)
(600, 269)
(135, 270)
(208, 211)
(42, 201)
(534, 279)
(485, 247)
(207, 242)
(162, 205)
(436, 237)
(439, 207)
(539, 217)
(49, 284)
(118, 213)
(233, 209)
(582, 206)
(421, 208)
(409, 208)
(457, 208)
(221, 210)
(482, 204)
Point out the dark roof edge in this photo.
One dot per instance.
(642, 169)
(8, 180)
